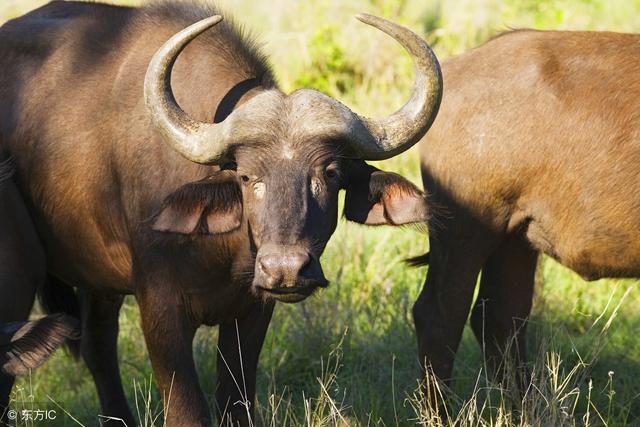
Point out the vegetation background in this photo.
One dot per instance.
(348, 356)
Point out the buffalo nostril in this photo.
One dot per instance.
(263, 267)
(301, 261)
(283, 268)
(270, 265)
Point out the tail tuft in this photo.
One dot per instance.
(26, 345)
(57, 297)
(418, 261)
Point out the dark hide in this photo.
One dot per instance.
(418, 261)
(22, 270)
(6, 170)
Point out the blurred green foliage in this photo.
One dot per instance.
(331, 71)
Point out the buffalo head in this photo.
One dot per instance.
(284, 159)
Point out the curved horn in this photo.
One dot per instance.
(197, 141)
(404, 128)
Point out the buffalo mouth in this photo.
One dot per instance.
(290, 294)
(287, 273)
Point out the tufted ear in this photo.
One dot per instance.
(210, 206)
(375, 197)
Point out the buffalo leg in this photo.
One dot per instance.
(504, 303)
(443, 306)
(169, 334)
(239, 346)
(99, 349)
(22, 268)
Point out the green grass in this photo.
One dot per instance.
(357, 336)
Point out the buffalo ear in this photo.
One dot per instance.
(375, 197)
(210, 206)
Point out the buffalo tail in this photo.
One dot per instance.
(418, 261)
(26, 345)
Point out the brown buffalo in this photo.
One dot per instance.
(178, 172)
(536, 149)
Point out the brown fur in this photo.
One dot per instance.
(536, 149)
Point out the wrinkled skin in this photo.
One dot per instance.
(120, 212)
(536, 149)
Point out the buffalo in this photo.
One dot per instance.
(157, 157)
(536, 149)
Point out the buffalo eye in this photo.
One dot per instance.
(332, 172)
(244, 178)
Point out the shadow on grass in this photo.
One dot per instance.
(378, 368)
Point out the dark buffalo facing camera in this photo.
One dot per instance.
(178, 172)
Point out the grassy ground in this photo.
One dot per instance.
(348, 356)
